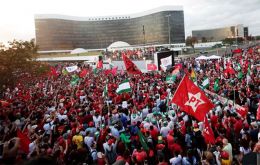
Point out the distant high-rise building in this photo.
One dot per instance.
(158, 26)
(245, 32)
(219, 34)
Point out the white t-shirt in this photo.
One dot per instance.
(244, 151)
(88, 140)
(164, 131)
(97, 120)
(176, 160)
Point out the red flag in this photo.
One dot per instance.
(114, 71)
(242, 111)
(237, 50)
(178, 66)
(131, 68)
(258, 112)
(151, 67)
(208, 133)
(24, 141)
(100, 64)
(217, 66)
(83, 73)
(53, 72)
(191, 99)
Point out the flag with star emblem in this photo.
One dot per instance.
(208, 133)
(191, 99)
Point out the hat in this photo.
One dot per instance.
(110, 141)
(91, 124)
(224, 155)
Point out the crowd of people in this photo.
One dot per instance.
(134, 54)
(49, 120)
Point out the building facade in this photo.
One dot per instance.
(219, 34)
(157, 26)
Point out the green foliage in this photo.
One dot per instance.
(16, 59)
(190, 41)
(231, 41)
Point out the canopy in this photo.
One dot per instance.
(202, 58)
(78, 51)
(213, 57)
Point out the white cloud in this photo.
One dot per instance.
(17, 16)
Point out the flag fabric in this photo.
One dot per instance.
(170, 79)
(208, 133)
(114, 71)
(216, 85)
(131, 68)
(74, 80)
(64, 71)
(83, 73)
(72, 68)
(258, 112)
(176, 71)
(124, 87)
(105, 92)
(241, 110)
(100, 64)
(191, 99)
(24, 141)
(193, 76)
(142, 140)
(217, 66)
(237, 50)
(53, 72)
(240, 75)
(166, 63)
(151, 67)
(205, 83)
(95, 71)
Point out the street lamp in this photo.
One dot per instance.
(169, 30)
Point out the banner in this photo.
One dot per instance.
(72, 68)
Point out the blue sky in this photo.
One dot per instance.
(17, 16)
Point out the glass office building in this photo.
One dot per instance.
(157, 26)
(219, 34)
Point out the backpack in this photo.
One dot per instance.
(111, 156)
(90, 158)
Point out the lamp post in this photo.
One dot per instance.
(169, 30)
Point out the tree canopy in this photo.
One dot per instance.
(16, 59)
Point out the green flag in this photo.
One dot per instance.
(125, 139)
(240, 75)
(205, 83)
(170, 79)
(249, 69)
(142, 140)
(74, 80)
(123, 87)
(216, 85)
(64, 71)
(95, 71)
(105, 91)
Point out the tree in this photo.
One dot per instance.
(16, 60)
(190, 41)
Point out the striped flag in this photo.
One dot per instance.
(124, 87)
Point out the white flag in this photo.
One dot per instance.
(72, 68)
(166, 62)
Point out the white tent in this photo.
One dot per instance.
(213, 57)
(78, 51)
(201, 58)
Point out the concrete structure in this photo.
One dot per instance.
(219, 34)
(156, 26)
